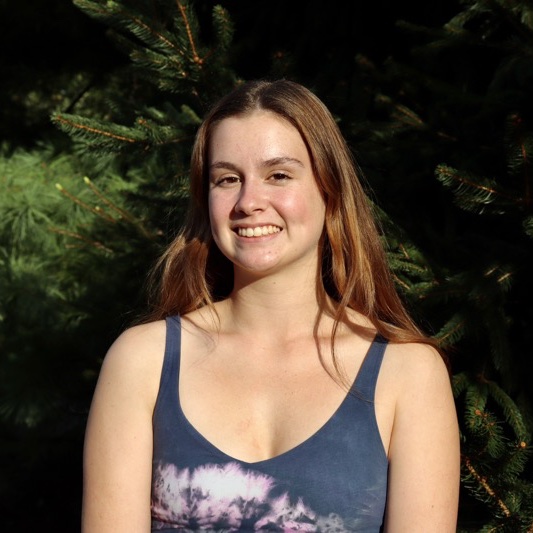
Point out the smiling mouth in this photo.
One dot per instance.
(257, 231)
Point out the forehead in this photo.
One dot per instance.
(260, 131)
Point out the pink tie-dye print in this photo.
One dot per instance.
(220, 497)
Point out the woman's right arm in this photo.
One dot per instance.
(117, 463)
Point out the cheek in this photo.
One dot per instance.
(214, 218)
(306, 207)
(317, 208)
(216, 208)
(219, 209)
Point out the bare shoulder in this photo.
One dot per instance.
(416, 363)
(137, 339)
(414, 378)
(136, 356)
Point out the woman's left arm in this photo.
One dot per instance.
(424, 451)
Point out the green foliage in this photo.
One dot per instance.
(444, 134)
(48, 239)
(76, 249)
(80, 226)
(168, 60)
(162, 41)
(495, 451)
(461, 106)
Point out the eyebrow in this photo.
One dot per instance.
(281, 160)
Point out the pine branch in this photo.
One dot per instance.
(473, 193)
(454, 330)
(484, 483)
(520, 146)
(108, 135)
(95, 210)
(121, 212)
(528, 226)
(512, 414)
(78, 236)
(185, 15)
(166, 50)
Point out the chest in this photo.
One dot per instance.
(256, 404)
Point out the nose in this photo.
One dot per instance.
(251, 197)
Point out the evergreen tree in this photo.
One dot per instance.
(80, 226)
(459, 107)
(443, 135)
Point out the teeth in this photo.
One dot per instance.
(258, 231)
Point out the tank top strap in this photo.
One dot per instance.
(365, 382)
(171, 361)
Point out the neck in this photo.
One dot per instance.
(281, 305)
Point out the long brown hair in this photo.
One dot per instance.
(193, 273)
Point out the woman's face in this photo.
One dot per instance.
(265, 209)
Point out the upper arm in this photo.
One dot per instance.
(118, 440)
(424, 449)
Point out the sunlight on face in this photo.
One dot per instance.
(264, 204)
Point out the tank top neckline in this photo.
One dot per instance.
(364, 383)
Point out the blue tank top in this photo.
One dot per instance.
(336, 480)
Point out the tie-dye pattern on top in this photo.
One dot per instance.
(335, 481)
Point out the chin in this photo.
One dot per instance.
(258, 269)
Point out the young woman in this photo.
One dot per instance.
(279, 384)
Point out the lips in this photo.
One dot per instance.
(257, 231)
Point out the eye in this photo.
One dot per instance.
(279, 176)
(225, 181)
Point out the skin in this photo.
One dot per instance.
(260, 176)
(263, 401)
